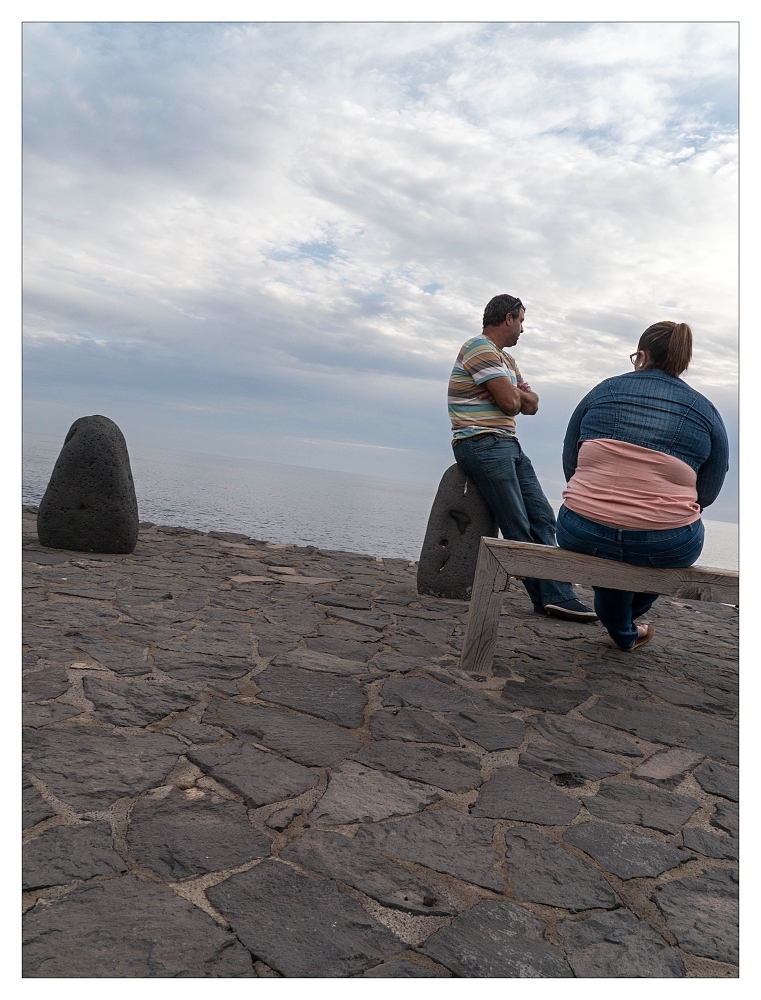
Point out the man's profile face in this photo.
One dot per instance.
(514, 328)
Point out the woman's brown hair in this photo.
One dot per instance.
(668, 346)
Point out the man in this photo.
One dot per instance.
(486, 392)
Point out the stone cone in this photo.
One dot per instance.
(90, 504)
(459, 518)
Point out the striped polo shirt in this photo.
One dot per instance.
(479, 361)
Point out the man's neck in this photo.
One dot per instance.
(496, 335)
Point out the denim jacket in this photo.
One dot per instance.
(654, 410)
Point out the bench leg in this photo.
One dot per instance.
(483, 616)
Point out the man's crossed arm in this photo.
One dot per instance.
(508, 398)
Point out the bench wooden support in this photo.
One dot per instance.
(499, 559)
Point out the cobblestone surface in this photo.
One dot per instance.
(244, 759)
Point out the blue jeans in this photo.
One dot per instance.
(619, 609)
(506, 479)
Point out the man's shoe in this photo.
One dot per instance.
(572, 611)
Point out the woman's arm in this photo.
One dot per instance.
(571, 442)
(712, 472)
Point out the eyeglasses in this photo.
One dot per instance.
(633, 356)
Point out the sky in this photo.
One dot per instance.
(269, 240)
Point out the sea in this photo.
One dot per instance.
(290, 503)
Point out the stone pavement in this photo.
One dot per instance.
(244, 759)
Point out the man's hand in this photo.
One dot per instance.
(529, 399)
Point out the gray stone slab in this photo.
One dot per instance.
(37, 716)
(711, 845)
(409, 646)
(90, 767)
(394, 663)
(490, 731)
(411, 724)
(401, 968)
(275, 639)
(311, 659)
(702, 913)
(345, 601)
(623, 853)
(85, 614)
(432, 696)
(316, 744)
(513, 793)
(258, 776)
(196, 732)
(618, 946)
(496, 941)
(631, 802)
(365, 869)
(357, 794)
(542, 872)
(125, 658)
(45, 682)
(453, 770)
(719, 780)
(685, 696)
(347, 631)
(194, 667)
(570, 765)
(301, 927)
(668, 767)
(367, 618)
(559, 729)
(183, 833)
(727, 817)
(34, 809)
(443, 840)
(336, 699)
(559, 697)
(347, 649)
(64, 854)
(126, 928)
(136, 703)
(716, 738)
(218, 639)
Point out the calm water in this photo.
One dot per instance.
(288, 503)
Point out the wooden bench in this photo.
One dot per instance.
(499, 559)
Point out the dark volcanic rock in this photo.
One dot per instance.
(496, 941)
(124, 658)
(718, 780)
(727, 817)
(618, 945)
(401, 968)
(572, 764)
(559, 729)
(642, 806)
(702, 914)
(125, 928)
(197, 667)
(301, 927)
(711, 845)
(542, 872)
(626, 854)
(459, 517)
(197, 733)
(549, 697)
(336, 699)
(357, 794)
(444, 840)
(492, 732)
(432, 696)
(37, 716)
(258, 776)
(453, 770)
(34, 809)
(365, 869)
(44, 683)
(513, 793)
(316, 744)
(90, 504)
(186, 833)
(136, 703)
(90, 767)
(411, 724)
(65, 853)
(311, 659)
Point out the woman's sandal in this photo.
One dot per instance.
(641, 640)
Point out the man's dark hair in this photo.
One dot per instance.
(499, 307)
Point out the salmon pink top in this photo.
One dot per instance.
(626, 486)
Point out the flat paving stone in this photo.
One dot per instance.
(559, 729)
(443, 840)
(259, 777)
(90, 767)
(305, 740)
(623, 853)
(189, 832)
(452, 770)
(726, 816)
(618, 945)
(127, 928)
(301, 927)
(365, 869)
(125, 658)
(196, 732)
(668, 767)
(430, 695)
(630, 802)
(492, 732)
(346, 649)
(560, 698)
(37, 716)
(401, 968)
(220, 639)
(311, 659)
(719, 780)
(136, 703)
(715, 738)
(711, 845)
(34, 809)
(573, 765)
(542, 872)
(412, 725)
(44, 683)
(195, 667)
(357, 794)
(685, 696)
(64, 854)
(336, 699)
(513, 793)
(702, 913)
(497, 941)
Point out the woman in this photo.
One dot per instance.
(643, 455)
